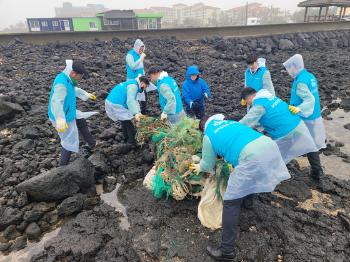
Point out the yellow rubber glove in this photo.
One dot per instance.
(92, 96)
(138, 117)
(294, 109)
(195, 168)
(61, 125)
(243, 102)
(163, 116)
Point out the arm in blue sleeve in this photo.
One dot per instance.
(253, 116)
(308, 104)
(133, 104)
(133, 64)
(267, 83)
(205, 87)
(170, 107)
(57, 101)
(186, 94)
(208, 160)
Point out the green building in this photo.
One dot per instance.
(86, 24)
(148, 20)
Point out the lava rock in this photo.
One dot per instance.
(20, 243)
(61, 182)
(147, 156)
(4, 246)
(345, 103)
(11, 232)
(285, 44)
(33, 231)
(71, 205)
(99, 161)
(295, 189)
(8, 216)
(33, 215)
(30, 132)
(8, 110)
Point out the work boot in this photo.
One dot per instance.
(219, 255)
(316, 174)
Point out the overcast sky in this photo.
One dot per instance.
(13, 11)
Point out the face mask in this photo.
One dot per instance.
(74, 82)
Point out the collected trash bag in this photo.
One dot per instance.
(211, 205)
(147, 182)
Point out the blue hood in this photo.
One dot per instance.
(192, 70)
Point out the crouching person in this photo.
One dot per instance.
(63, 113)
(122, 105)
(258, 164)
(169, 95)
(288, 130)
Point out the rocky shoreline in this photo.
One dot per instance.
(301, 221)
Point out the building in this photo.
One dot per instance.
(265, 14)
(148, 21)
(199, 14)
(86, 24)
(343, 5)
(68, 10)
(128, 20)
(118, 20)
(49, 24)
(168, 14)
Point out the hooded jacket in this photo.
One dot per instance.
(194, 90)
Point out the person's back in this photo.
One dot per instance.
(277, 121)
(118, 95)
(228, 138)
(307, 78)
(171, 83)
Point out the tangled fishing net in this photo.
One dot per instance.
(175, 149)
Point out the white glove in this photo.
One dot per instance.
(138, 117)
(191, 103)
(143, 55)
(163, 116)
(206, 95)
(61, 125)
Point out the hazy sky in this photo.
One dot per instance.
(13, 11)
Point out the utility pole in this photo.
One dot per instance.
(246, 14)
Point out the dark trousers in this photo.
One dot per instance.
(85, 132)
(197, 110)
(315, 162)
(230, 221)
(143, 105)
(129, 132)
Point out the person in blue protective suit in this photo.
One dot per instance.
(63, 113)
(194, 91)
(288, 130)
(122, 105)
(135, 68)
(258, 164)
(305, 102)
(257, 76)
(169, 95)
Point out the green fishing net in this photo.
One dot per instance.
(174, 148)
